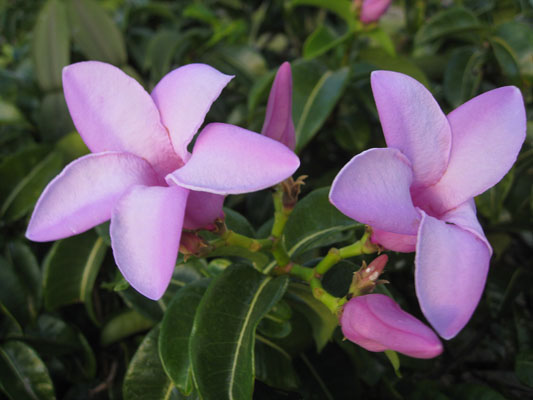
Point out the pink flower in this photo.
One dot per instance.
(141, 175)
(372, 10)
(376, 323)
(417, 194)
(278, 123)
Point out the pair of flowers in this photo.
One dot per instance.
(416, 194)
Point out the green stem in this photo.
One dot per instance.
(331, 302)
(231, 238)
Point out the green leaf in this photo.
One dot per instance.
(473, 391)
(23, 375)
(395, 361)
(238, 223)
(519, 36)
(320, 102)
(447, 22)
(72, 146)
(175, 332)
(24, 195)
(95, 32)
(383, 39)
(222, 340)
(145, 378)
(463, 74)
(524, 367)
(506, 58)
(273, 365)
(490, 203)
(323, 322)
(315, 222)
(322, 40)
(163, 47)
(54, 118)
(50, 45)
(70, 269)
(340, 7)
(10, 114)
(123, 325)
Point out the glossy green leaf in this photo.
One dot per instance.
(23, 196)
(519, 36)
(340, 7)
(9, 326)
(123, 325)
(54, 118)
(524, 367)
(163, 47)
(322, 320)
(222, 340)
(463, 74)
(315, 222)
(50, 46)
(447, 22)
(320, 41)
(273, 365)
(23, 375)
(70, 269)
(175, 332)
(395, 361)
(145, 378)
(238, 223)
(321, 100)
(258, 259)
(506, 58)
(95, 33)
(383, 40)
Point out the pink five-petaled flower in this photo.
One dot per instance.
(372, 10)
(278, 123)
(376, 323)
(141, 175)
(417, 194)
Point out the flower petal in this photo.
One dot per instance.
(488, 132)
(227, 159)
(413, 122)
(394, 241)
(377, 323)
(372, 10)
(183, 98)
(278, 123)
(112, 111)
(451, 269)
(373, 188)
(202, 209)
(145, 235)
(84, 194)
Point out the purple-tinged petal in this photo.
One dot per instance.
(372, 10)
(451, 269)
(413, 122)
(145, 235)
(373, 188)
(488, 132)
(183, 98)
(227, 159)
(278, 123)
(394, 241)
(202, 209)
(112, 111)
(376, 323)
(84, 193)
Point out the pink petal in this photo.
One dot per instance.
(373, 188)
(488, 132)
(413, 122)
(394, 241)
(84, 194)
(145, 235)
(451, 268)
(230, 160)
(278, 123)
(372, 10)
(202, 209)
(183, 98)
(112, 111)
(377, 323)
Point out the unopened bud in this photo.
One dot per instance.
(191, 244)
(291, 190)
(365, 280)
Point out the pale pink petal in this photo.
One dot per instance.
(145, 235)
(84, 194)
(451, 269)
(227, 159)
(372, 10)
(202, 209)
(112, 111)
(183, 98)
(413, 122)
(377, 323)
(278, 123)
(373, 188)
(488, 132)
(394, 241)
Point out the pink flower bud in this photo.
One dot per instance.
(372, 10)
(376, 323)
